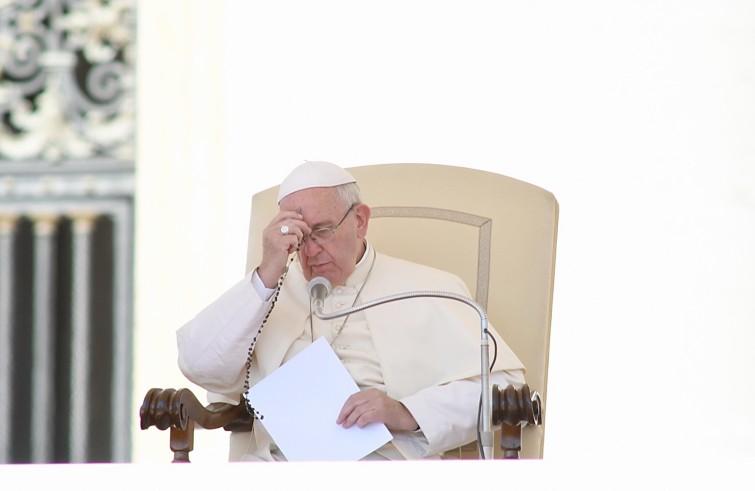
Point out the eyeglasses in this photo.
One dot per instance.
(325, 234)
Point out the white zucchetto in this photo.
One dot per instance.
(313, 174)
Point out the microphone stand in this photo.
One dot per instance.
(486, 433)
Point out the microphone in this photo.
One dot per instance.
(318, 284)
(319, 289)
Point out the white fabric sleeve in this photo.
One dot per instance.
(264, 292)
(213, 347)
(447, 414)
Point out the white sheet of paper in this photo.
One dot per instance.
(300, 402)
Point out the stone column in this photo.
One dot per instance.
(80, 338)
(43, 344)
(7, 228)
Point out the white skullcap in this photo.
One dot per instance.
(313, 174)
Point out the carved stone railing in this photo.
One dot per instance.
(65, 322)
(66, 229)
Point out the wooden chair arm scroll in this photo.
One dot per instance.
(513, 409)
(180, 410)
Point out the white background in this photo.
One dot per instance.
(639, 116)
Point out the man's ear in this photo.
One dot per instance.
(362, 213)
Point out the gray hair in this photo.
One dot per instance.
(349, 193)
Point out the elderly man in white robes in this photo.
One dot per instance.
(416, 363)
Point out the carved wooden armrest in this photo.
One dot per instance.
(513, 409)
(180, 410)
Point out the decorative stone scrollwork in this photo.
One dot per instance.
(66, 79)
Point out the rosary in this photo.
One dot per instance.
(253, 412)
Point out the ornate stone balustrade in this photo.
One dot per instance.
(66, 229)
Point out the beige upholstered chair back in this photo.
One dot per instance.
(497, 233)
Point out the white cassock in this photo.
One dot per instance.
(424, 352)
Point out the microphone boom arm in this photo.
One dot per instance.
(486, 433)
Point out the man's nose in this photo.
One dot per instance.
(311, 247)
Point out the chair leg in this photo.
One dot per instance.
(182, 442)
(511, 440)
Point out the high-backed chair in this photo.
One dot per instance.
(497, 233)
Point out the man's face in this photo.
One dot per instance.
(336, 258)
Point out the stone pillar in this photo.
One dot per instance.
(80, 338)
(7, 228)
(43, 340)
